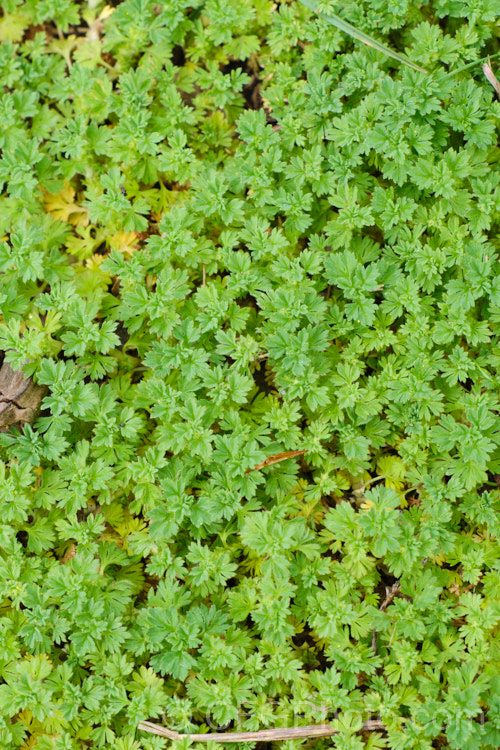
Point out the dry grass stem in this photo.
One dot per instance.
(356, 33)
(488, 72)
(275, 459)
(263, 735)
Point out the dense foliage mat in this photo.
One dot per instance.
(229, 232)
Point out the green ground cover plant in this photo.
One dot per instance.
(230, 231)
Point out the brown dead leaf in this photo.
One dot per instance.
(69, 554)
(20, 398)
(457, 591)
(276, 459)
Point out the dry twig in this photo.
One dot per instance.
(276, 459)
(263, 735)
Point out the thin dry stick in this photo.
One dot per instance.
(275, 459)
(263, 735)
(390, 593)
